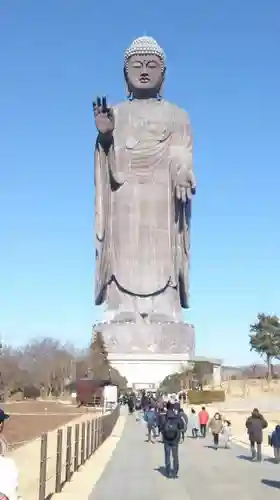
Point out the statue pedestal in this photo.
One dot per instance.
(145, 353)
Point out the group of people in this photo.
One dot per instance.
(170, 422)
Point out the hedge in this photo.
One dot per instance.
(206, 397)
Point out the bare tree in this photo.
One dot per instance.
(12, 375)
(49, 364)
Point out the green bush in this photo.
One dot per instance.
(206, 397)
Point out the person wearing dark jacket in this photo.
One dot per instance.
(161, 419)
(184, 419)
(144, 401)
(176, 406)
(255, 425)
(171, 434)
(275, 443)
(130, 404)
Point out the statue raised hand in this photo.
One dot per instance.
(104, 116)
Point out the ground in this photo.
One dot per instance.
(204, 472)
(28, 420)
(252, 388)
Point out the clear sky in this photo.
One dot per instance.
(223, 68)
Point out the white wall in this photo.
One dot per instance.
(146, 372)
(217, 375)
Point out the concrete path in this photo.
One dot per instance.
(136, 472)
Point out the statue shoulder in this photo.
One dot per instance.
(179, 115)
(121, 108)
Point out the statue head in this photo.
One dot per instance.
(144, 68)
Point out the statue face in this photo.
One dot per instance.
(144, 75)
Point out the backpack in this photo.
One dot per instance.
(170, 430)
(150, 417)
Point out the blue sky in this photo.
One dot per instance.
(223, 68)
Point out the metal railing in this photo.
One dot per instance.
(75, 444)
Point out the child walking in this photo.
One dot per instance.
(203, 421)
(275, 443)
(227, 433)
(193, 423)
(150, 419)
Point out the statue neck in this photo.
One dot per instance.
(143, 94)
(145, 99)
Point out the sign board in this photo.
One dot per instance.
(148, 387)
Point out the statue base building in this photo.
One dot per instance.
(145, 353)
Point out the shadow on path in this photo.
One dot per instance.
(245, 457)
(271, 483)
(161, 470)
(271, 460)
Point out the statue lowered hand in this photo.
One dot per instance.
(185, 185)
(104, 116)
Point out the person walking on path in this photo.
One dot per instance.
(157, 418)
(161, 419)
(151, 420)
(216, 426)
(203, 421)
(3, 417)
(176, 405)
(193, 423)
(275, 443)
(130, 404)
(255, 425)
(171, 435)
(184, 420)
(227, 433)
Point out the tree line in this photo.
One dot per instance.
(51, 365)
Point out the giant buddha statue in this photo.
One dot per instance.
(144, 183)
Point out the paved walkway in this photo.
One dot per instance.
(135, 472)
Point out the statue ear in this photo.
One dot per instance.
(128, 91)
(160, 90)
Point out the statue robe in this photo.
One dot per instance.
(142, 230)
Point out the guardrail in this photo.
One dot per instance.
(74, 446)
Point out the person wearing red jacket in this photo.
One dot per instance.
(203, 420)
